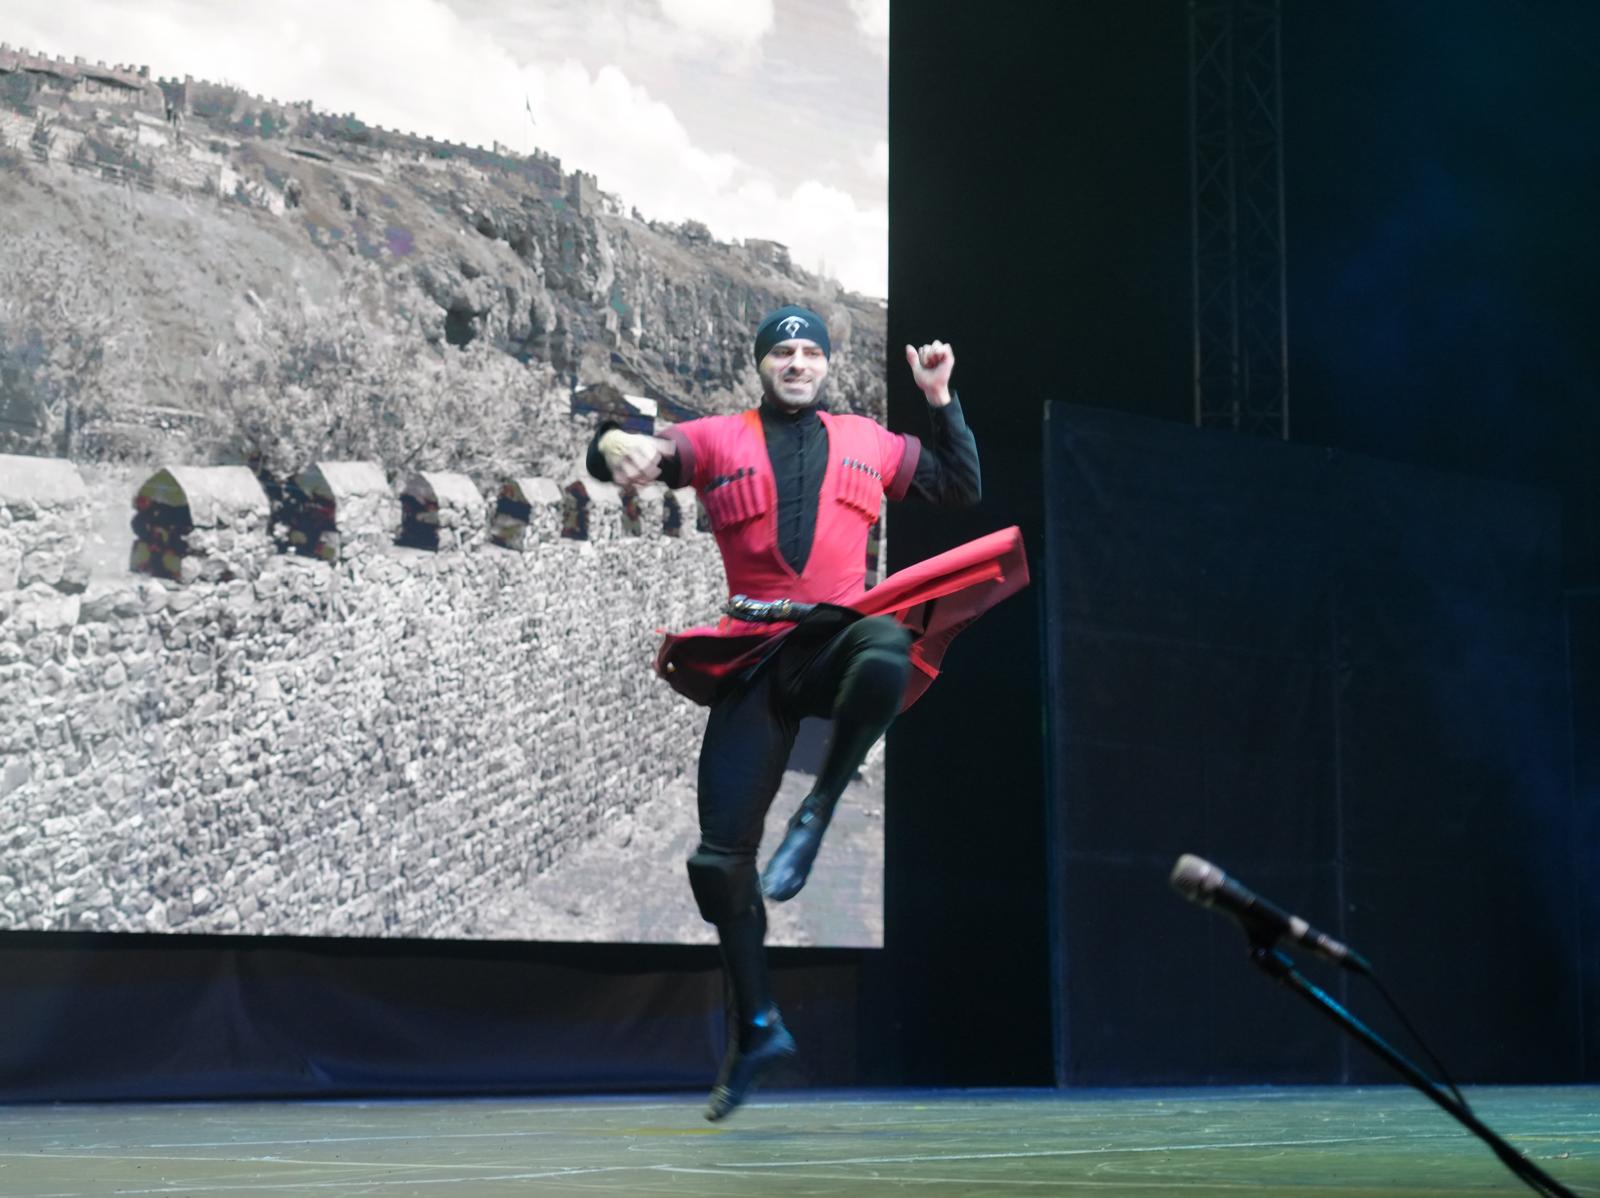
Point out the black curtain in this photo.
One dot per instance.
(1345, 682)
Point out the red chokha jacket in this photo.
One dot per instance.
(725, 459)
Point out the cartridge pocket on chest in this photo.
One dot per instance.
(732, 499)
(861, 487)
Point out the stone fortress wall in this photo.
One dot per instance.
(160, 106)
(365, 711)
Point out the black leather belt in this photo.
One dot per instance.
(766, 611)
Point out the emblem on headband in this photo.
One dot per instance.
(793, 324)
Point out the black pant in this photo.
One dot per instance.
(856, 672)
(835, 664)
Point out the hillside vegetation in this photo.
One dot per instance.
(235, 289)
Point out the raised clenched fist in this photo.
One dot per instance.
(930, 368)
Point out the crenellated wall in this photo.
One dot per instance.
(287, 722)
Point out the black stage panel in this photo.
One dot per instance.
(1583, 651)
(1344, 681)
(149, 1017)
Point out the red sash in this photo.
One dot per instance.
(934, 599)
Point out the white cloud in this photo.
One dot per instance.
(876, 161)
(639, 149)
(831, 232)
(413, 65)
(632, 142)
(736, 23)
(872, 18)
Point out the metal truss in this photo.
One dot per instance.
(1241, 331)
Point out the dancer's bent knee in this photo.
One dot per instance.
(725, 883)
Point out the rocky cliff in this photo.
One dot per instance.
(235, 280)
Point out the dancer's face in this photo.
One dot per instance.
(792, 373)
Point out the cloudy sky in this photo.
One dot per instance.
(761, 118)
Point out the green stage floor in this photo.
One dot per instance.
(1296, 1142)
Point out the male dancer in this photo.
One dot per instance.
(792, 491)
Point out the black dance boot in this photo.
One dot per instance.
(869, 695)
(752, 1050)
(790, 866)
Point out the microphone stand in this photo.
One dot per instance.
(1281, 969)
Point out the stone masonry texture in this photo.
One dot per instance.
(385, 741)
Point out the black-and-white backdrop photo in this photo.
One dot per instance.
(313, 621)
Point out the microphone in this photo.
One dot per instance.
(1201, 882)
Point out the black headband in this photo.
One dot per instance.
(791, 323)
